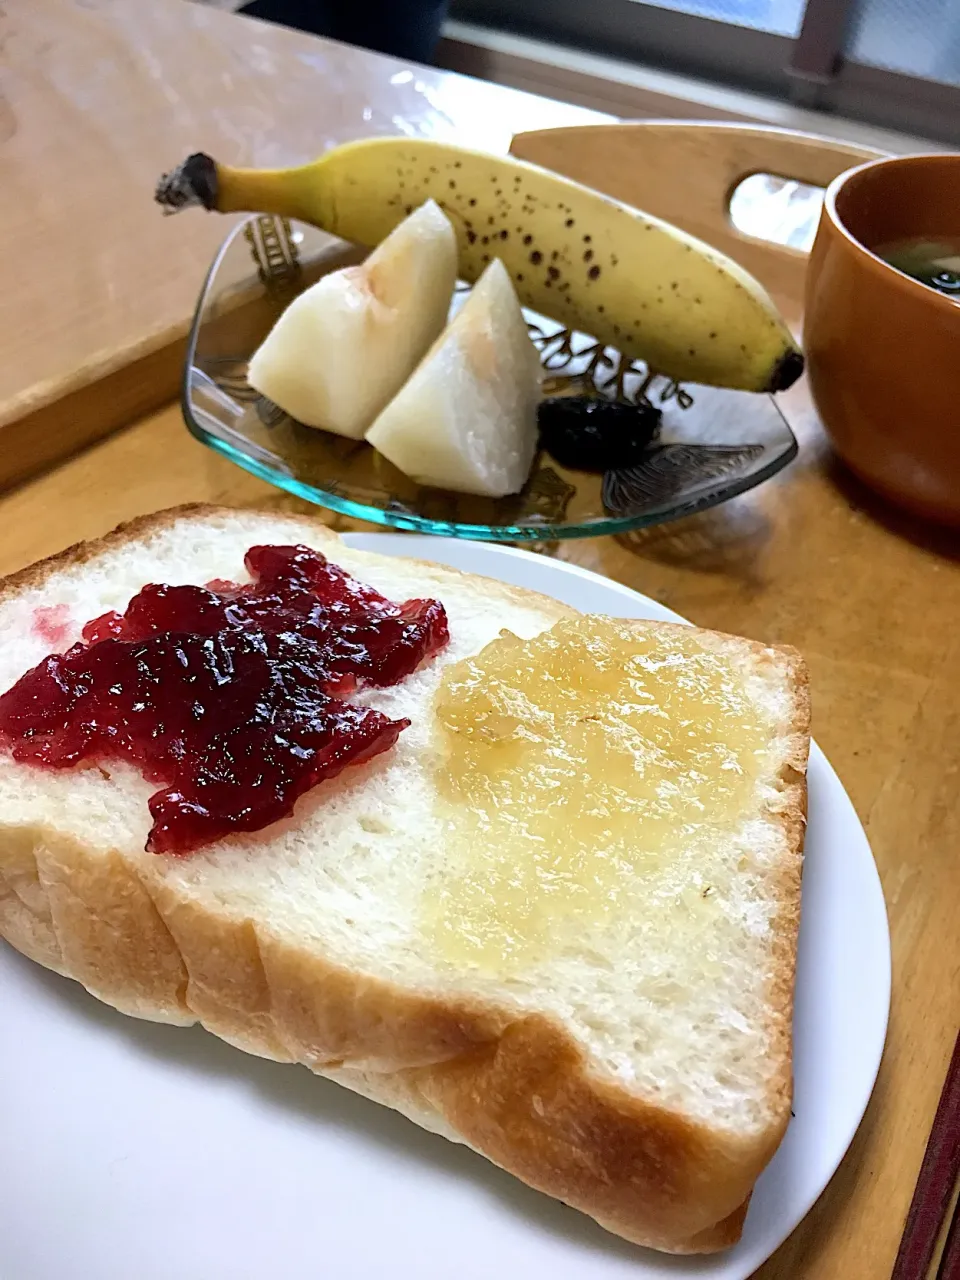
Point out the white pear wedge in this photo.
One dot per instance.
(467, 418)
(348, 343)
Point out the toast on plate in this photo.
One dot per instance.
(627, 1049)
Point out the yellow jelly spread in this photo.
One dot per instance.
(576, 770)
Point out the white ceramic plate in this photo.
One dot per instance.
(135, 1150)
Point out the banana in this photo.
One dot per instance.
(626, 278)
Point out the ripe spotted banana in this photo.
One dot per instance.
(620, 275)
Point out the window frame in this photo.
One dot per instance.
(809, 69)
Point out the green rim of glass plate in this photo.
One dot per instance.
(443, 528)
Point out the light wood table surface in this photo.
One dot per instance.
(871, 598)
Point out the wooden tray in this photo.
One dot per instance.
(870, 596)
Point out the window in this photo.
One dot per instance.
(780, 16)
(916, 37)
(894, 63)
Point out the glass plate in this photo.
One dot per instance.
(712, 444)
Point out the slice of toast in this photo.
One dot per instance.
(641, 1077)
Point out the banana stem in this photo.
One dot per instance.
(265, 191)
(202, 181)
(194, 182)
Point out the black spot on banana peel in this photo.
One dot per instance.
(192, 183)
(786, 371)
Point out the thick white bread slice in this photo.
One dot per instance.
(304, 942)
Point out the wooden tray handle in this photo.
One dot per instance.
(686, 173)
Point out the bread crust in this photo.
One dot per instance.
(518, 1089)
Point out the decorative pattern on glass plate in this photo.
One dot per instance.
(712, 444)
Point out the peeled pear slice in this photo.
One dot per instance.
(348, 343)
(467, 418)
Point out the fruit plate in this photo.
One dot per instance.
(162, 1151)
(712, 444)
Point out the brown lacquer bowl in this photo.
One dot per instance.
(883, 350)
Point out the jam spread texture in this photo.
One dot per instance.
(233, 697)
(588, 778)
